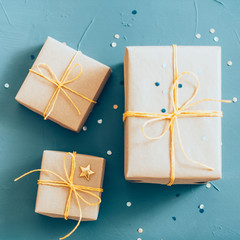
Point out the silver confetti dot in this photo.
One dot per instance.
(140, 230)
(203, 138)
(229, 63)
(109, 152)
(129, 204)
(216, 39)
(6, 85)
(113, 44)
(164, 65)
(212, 30)
(198, 35)
(234, 99)
(84, 128)
(164, 91)
(208, 185)
(117, 36)
(201, 206)
(99, 121)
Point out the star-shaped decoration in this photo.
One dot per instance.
(86, 172)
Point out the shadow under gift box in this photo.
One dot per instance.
(51, 200)
(36, 92)
(149, 160)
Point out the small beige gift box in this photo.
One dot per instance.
(68, 103)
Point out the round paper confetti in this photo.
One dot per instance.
(99, 121)
(84, 128)
(140, 230)
(164, 91)
(113, 44)
(229, 63)
(129, 204)
(212, 30)
(157, 84)
(6, 85)
(216, 39)
(163, 110)
(203, 138)
(109, 152)
(139, 239)
(134, 12)
(234, 99)
(115, 106)
(198, 35)
(174, 218)
(164, 65)
(208, 185)
(117, 36)
(201, 206)
(180, 85)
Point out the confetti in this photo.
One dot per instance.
(174, 218)
(99, 121)
(129, 204)
(180, 85)
(139, 239)
(6, 85)
(198, 35)
(234, 99)
(201, 206)
(113, 44)
(203, 138)
(84, 128)
(163, 110)
(117, 36)
(164, 91)
(208, 185)
(157, 84)
(216, 39)
(134, 12)
(229, 63)
(164, 65)
(178, 194)
(140, 230)
(115, 106)
(212, 30)
(109, 152)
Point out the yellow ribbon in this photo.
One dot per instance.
(72, 188)
(178, 112)
(60, 84)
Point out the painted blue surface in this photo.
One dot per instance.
(167, 213)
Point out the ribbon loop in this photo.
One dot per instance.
(72, 188)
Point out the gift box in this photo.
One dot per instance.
(63, 85)
(51, 200)
(189, 149)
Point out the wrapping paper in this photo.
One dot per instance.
(36, 92)
(149, 160)
(51, 200)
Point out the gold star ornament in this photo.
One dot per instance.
(86, 172)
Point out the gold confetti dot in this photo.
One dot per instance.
(229, 63)
(212, 30)
(115, 106)
(117, 36)
(140, 230)
(208, 185)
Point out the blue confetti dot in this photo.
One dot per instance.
(174, 218)
(157, 84)
(122, 82)
(178, 194)
(134, 12)
(163, 110)
(201, 210)
(180, 85)
(32, 56)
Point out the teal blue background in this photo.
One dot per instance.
(24, 135)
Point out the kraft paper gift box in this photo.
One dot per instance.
(51, 200)
(148, 73)
(36, 92)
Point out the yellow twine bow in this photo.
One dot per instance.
(72, 188)
(178, 112)
(60, 84)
